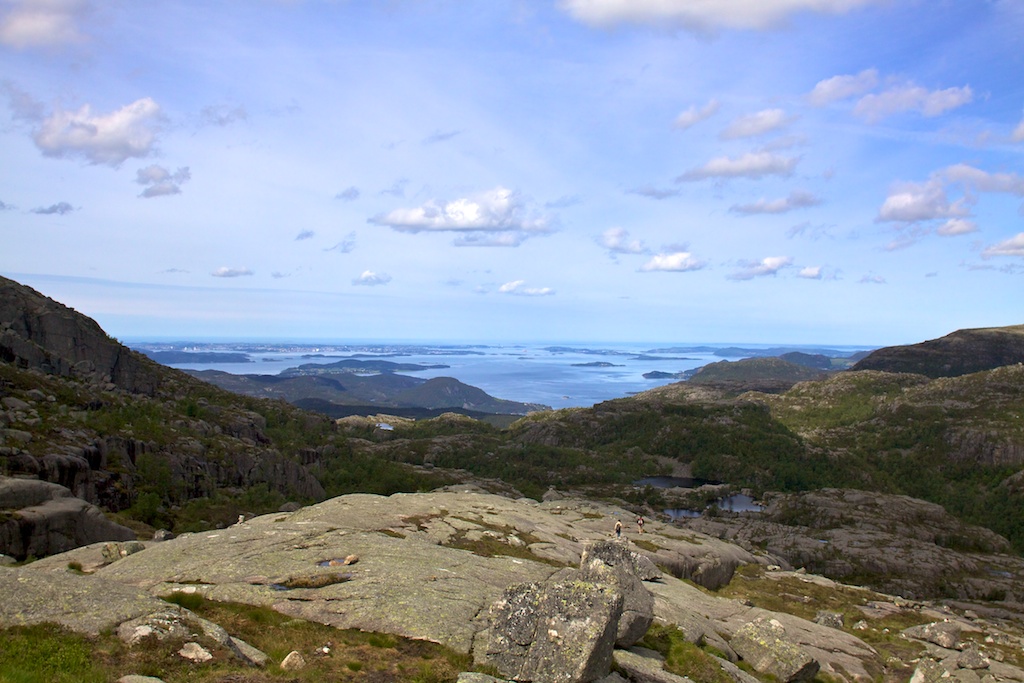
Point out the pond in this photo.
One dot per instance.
(734, 503)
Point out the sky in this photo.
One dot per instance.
(669, 171)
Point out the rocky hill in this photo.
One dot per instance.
(526, 590)
(768, 374)
(959, 353)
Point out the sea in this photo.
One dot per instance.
(555, 375)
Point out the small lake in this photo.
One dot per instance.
(734, 503)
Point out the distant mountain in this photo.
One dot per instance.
(959, 353)
(351, 366)
(769, 375)
(372, 392)
(198, 357)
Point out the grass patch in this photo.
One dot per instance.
(49, 653)
(646, 545)
(683, 658)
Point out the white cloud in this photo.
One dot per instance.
(617, 241)
(102, 139)
(766, 266)
(160, 182)
(369, 278)
(875, 107)
(797, 199)
(519, 288)
(914, 202)
(674, 262)
(754, 165)
(1011, 247)
(843, 87)
(701, 15)
(225, 271)
(956, 226)
(495, 211)
(694, 115)
(1018, 132)
(752, 125)
(41, 23)
(810, 272)
(983, 181)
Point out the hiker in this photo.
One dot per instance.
(640, 524)
(618, 529)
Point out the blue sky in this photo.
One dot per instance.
(775, 171)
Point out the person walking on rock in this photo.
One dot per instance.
(618, 529)
(640, 524)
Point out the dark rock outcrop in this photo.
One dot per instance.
(38, 332)
(38, 518)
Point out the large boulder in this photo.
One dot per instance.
(613, 563)
(762, 643)
(38, 518)
(562, 632)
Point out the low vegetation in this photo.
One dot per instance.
(47, 653)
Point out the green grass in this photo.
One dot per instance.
(48, 653)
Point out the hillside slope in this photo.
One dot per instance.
(958, 353)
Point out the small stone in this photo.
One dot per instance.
(293, 662)
(351, 559)
(972, 658)
(830, 619)
(195, 652)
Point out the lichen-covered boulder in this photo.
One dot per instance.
(945, 634)
(762, 643)
(613, 563)
(560, 632)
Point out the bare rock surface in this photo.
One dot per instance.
(430, 567)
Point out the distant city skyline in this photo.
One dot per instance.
(829, 172)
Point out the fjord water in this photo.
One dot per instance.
(555, 375)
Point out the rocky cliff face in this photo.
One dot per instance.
(38, 332)
(959, 353)
(80, 410)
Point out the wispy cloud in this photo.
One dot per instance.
(32, 23)
(909, 97)
(368, 278)
(6, 207)
(797, 199)
(770, 265)
(348, 194)
(346, 246)
(397, 189)
(60, 208)
(701, 16)
(519, 288)
(305, 235)
(872, 280)
(160, 182)
(497, 211)
(753, 125)
(652, 192)
(1018, 132)
(225, 271)
(563, 202)
(617, 241)
(223, 115)
(673, 262)
(753, 165)
(843, 87)
(440, 136)
(693, 115)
